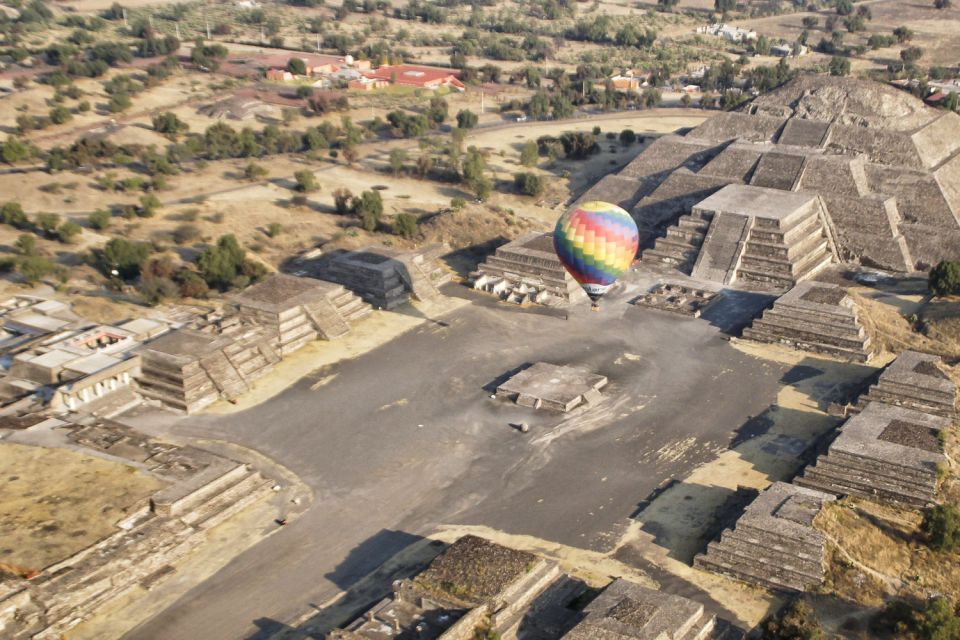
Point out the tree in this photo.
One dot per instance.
(844, 7)
(628, 137)
(60, 114)
(405, 225)
(221, 264)
(911, 54)
(939, 621)
(13, 150)
(796, 621)
(369, 208)
(810, 22)
(169, 124)
(123, 257)
(397, 159)
(942, 4)
(297, 66)
(254, 171)
(12, 214)
(666, 5)
(438, 110)
(529, 155)
(34, 268)
(99, 219)
(945, 278)
(528, 184)
(341, 201)
(156, 290)
(27, 244)
(942, 526)
(724, 6)
(306, 181)
(839, 66)
(191, 284)
(48, 223)
(68, 232)
(903, 34)
(466, 119)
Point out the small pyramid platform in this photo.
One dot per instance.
(817, 317)
(916, 381)
(886, 454)
(773, 544)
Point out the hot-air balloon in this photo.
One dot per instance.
(596, 242)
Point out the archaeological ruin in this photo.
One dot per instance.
(915, 381)
(386, 277)
(851, 169)
(816, 317)
(201, 490)
(678, 298)
(552, 387)
(886, 454)
(773, 544)
(527, 270)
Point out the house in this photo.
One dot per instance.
(279, 75)
(728, 32)
(787, 50)
(418, 76)
(625, 83)
(367, 84)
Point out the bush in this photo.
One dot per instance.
(274, 229)
(123, 257)
(185, 233)
(369, 208)
(942, 526)
(221, 264)
(530, 154)
(628, 137)
(68, 232)
(99, 219)
(944, 278)
(467, 119)
(341, 201)
(34, 268)
(12, 214)
(191, 284)
(59, 115)
(457, 203)
(48, 223)
(529, 184)
(796, 621)
(149, 204)
(306, 181)
(156, 290)
(405, 225)
(254, 171)
(27, 244)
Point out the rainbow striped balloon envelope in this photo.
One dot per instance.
(596, 242)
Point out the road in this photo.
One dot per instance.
(406, 438)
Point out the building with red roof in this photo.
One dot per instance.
(419, 76)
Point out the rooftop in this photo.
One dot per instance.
(756, 201)
(281, 291)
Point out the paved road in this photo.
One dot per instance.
(405, 438)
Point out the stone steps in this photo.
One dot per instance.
(923, 400)
(816, 478)
(798, 330)
(853, 355)
(231, 501)
(752, 569)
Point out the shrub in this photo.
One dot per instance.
(59, 115)
(529, 184)
(123, 257)
(467, 119)
(942, 526)
(149, 204)
(68, 232)
(221, 264)
(34, 268)
(48, 223)
(628, 137)
(191, 284)
(944, 278)
(369, 208)
(405, 225)
(254, 171)
(12, 213)
(156, 290)
(341, 201)
(274, 229)
(185, 233)
(530, 155)
(457, 203)
(306, 181)
(795, 621)
(27, 244)
(99, 219)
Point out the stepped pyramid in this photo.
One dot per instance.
(300, 310)
(527, 270)
(916, 381)
(773, 544)
(814, 316)
(626, 610)
(883, 166)
(386, 277)
(887, 454)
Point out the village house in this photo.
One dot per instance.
(418, 76)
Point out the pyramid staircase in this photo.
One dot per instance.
(680, 246)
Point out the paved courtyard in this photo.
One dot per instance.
(406, 438)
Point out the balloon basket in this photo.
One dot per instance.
(595, 306)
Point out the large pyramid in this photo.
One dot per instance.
(883, 168)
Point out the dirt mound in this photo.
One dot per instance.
(845, 101)
(475, 225)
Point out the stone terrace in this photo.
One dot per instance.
(550, 386)
(916, 381)
(300, 310)
(678, 298)
(773, 544)
(385, 277)
(887, 454)
(628, 611)
(814, 316)
(527, 270)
